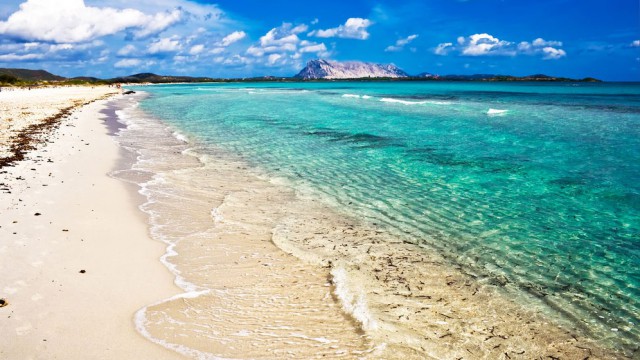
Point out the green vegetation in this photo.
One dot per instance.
(8, 79)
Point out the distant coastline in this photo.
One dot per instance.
(27, 77)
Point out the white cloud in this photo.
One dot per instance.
(127, 63)
(524, 46)
(164, 45)
(60, 47)
(218, 50)
(127, 50)
(157, 23)
(233, 37)
(236, 60)
(354, 28)
(635, 43)
(300, 29)
(553, 53)
(401, 43)
(273, 58)
(314, 48)
(255, 51)
(549, 49)
(540, 42)
(485, 44)
(180, 59)
(71, 21)
(443, 49)
(20, 57)
(488, 45)
(278, 40)
(196, 49)
(280, 35)
(281, 46)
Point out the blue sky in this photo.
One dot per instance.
(234, 38)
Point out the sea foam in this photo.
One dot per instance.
(403, 102)
(353, 299)
(496, 112)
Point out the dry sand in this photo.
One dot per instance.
(76, 261)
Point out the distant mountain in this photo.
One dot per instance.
(327, 69)
(89, 79)
(30, 75)
(158, 79)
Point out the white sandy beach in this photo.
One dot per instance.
(76, 259)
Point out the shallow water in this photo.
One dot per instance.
(532, 189)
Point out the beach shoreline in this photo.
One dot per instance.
(219, 217)
(254, 262)
(77, 258)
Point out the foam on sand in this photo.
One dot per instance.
(238, 287)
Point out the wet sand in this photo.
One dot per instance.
(76, 259)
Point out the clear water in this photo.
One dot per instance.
(536, 183)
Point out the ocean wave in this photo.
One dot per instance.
(178, 135)
(403, 102)
(496, 112)
(355, 96)
(352, 298)
(422, 101)
(141, 322)
(277, 91)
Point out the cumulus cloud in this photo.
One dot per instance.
(278, 40)
(313, 48)
(127, 63)
(21, 57)
(71, 21)
(232, 38)
(196, 49)
(635, 43)
(273, 59)
(127, 50)
(487, 45)
(164, 45)
(38, 52)
(282, 46)
(235, 61)
(255, 51)
(443, 49)
(553, 53)
(540, 42)
(354, 28)
(549, 49)
(399, 45)
(282, 35)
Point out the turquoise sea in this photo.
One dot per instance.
(534, 184)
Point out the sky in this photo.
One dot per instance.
(235, 38)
